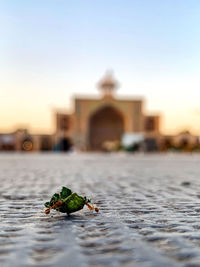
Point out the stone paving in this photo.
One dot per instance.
(149, 210)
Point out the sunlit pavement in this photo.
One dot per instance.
(149, 210)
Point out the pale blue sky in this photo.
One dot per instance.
(50, 50)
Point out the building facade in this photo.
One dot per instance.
(97, 121)
(23, 141)
(95, 124)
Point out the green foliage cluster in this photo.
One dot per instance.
(66, 201)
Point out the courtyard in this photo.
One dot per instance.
(149, 210)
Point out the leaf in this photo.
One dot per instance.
(47, 204)
(68, 202)
(54, 199)
(73, 203)
(65, 192)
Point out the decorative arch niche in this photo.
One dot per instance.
(106, 124)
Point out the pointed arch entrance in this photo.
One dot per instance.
(105, 125)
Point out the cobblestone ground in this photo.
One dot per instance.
(149, 210)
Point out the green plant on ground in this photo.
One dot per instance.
(68, 202)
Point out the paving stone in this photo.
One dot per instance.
(149, 210)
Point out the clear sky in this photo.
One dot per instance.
(52, 49)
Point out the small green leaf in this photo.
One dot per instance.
(67, 202)
(47, 204)
(72, 203)
(54, 199)
(65, 192)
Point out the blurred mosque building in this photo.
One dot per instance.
(103, 123)
(99, 122)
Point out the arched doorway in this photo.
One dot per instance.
(105, 125)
